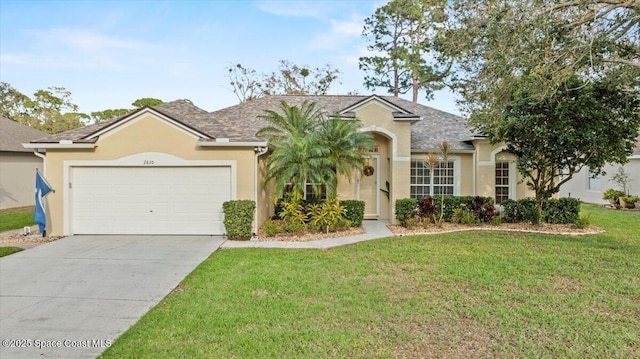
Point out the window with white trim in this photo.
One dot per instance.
(593, 182)
(425, 183)
(502, 181)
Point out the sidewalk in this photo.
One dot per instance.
(373, 230)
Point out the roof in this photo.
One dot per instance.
(240, 123)
(14, 134)
(435, 127)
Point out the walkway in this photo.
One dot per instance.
(373, 230)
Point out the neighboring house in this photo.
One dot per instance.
(17, 164)
(167, 169)
(588, 188)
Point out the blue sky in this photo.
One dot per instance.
(110, 53)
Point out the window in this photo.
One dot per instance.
(308, 193)
(502, 181)
(593, 182)
(424, 183)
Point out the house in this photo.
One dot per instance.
(167, 169)
(589, 188)
(17, 164)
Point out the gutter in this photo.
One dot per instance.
(259, 151)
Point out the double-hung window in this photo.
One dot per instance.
(502, 181)
(425, 182)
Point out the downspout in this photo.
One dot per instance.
(44, 163)
(259, 151)
(475, 173)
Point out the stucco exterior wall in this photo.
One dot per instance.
(17, 178)
(577, 187)
(146, 134)
(486, 157)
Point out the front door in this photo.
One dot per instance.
(368, 188)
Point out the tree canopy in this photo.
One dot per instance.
(289, 79)
(50, 110)
(406, 38)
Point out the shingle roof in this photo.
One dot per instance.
(14, 134)
(436, 126)
(240, 123)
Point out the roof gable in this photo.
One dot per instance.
(124, 121)
(398, 112)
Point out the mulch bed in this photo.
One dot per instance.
(562, 229)
(311, 236)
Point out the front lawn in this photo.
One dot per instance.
(16, 218)
(5, 251)
(458, 295)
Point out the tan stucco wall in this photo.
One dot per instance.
(143, 135)
(486, 156)
(17, 178)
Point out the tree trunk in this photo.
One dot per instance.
(416, 88)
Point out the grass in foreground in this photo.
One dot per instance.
(5, 251)
(460, 295)
(16, 218)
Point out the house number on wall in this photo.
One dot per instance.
(147, 162)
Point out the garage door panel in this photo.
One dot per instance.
(149, 200)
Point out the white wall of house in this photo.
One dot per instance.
(17, 178)
(591, 190)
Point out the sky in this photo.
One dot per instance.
(110, 53)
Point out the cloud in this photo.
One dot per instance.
(313, 9)
(339, 34)
(78, 48)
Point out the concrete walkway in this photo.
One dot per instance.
(373, 230)
(73, 297)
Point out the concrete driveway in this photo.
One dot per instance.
(75, 296)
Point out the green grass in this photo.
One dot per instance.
(16, 218)
(5, 251)
(470, 294)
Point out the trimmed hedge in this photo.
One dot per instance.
(562, 210)
(355, 211)
(238, 217)
(406, 208)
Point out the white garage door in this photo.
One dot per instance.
(149, 200)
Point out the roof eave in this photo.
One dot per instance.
(59, 145)
(232, 144)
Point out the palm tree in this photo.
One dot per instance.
(348, 146)
(308, 147)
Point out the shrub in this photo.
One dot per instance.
(355, 211)
(405, 208)
(238, 217)
(583, 222)
(426, 209)
(463, 216)
(496, 221)
(563, 210)
(411, 222)
(273, 227)
(295, 227)
(292, 208)
(470, 202)
(329, 215)
(522, 210)
(613, 195)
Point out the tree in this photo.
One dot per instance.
(406, 37)
(582, 124)
(289, 79)
(309, 147)
(50, 110)
(101, 116)
(496, 42)
(12, 102)
(146, 101)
